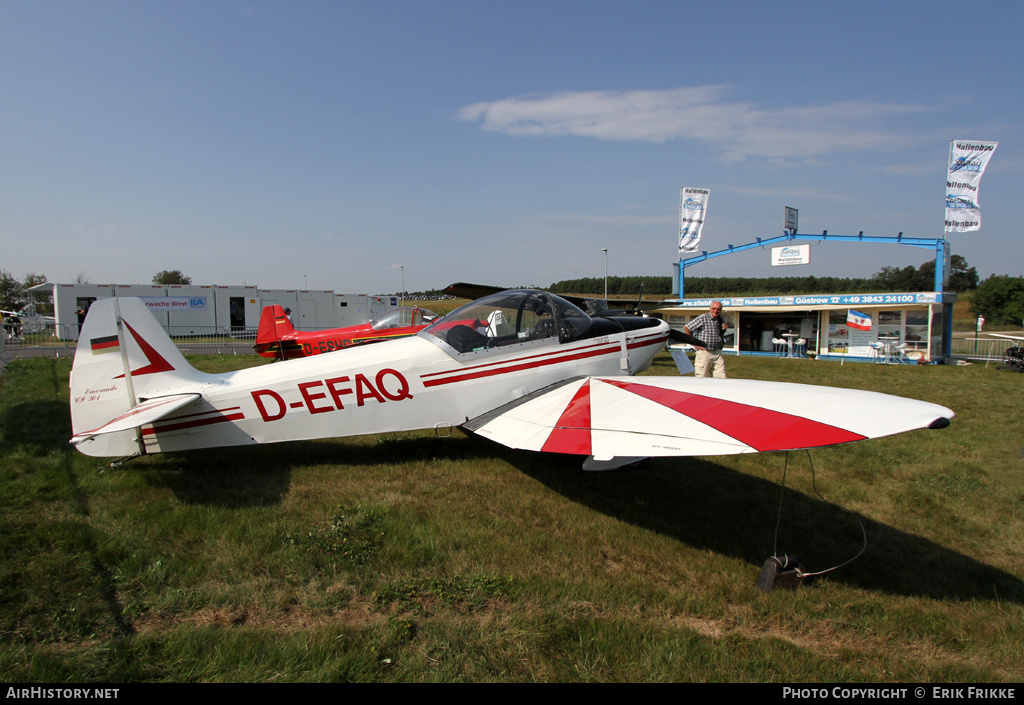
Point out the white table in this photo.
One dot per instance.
(790, 337)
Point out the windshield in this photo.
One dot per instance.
(508, 318)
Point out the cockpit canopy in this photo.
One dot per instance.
(509, 318)
(403, 317)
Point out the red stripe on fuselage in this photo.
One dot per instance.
(198, 413)
(518, 364)
(168, 425)
(644, 342)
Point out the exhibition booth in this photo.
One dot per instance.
(910, 327)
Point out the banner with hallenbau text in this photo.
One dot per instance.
(693, 203)
(967, 162)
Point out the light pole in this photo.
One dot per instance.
(402, 267)
(305, 284)
(605, 251)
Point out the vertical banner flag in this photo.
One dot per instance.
(693, 203)
(858, 320)
(967, 162)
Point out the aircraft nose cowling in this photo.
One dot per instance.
(631, 323)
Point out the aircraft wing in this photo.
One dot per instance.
(607, 417)
(145, 413)
(464, 290)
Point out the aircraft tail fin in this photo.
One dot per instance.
(274, 325)
(123, 361)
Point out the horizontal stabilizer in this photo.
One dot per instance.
(677, 416)
(138, 416)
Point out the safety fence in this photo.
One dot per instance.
(54, 340)
(982, 349)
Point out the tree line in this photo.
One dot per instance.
(14, 292)
(1000, 299)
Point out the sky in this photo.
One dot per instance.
(351, 145)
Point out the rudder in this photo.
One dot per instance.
(274, 325)
(124, 357)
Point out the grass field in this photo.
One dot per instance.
(414, 558)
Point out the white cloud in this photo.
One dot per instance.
(738, 130)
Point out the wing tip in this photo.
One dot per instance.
(941, 422)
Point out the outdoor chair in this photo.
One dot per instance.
(901, 354)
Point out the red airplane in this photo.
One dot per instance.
(277, 338)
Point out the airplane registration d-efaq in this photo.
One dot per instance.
(524, 368)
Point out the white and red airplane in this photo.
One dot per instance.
(525, 368)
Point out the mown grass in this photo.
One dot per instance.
(408, 557)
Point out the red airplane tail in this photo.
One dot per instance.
(274, 325)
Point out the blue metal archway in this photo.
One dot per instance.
(937, 245)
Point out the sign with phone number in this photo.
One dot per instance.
(827, 300)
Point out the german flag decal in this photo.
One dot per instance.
(106, 344)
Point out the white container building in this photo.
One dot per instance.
(212, 309)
